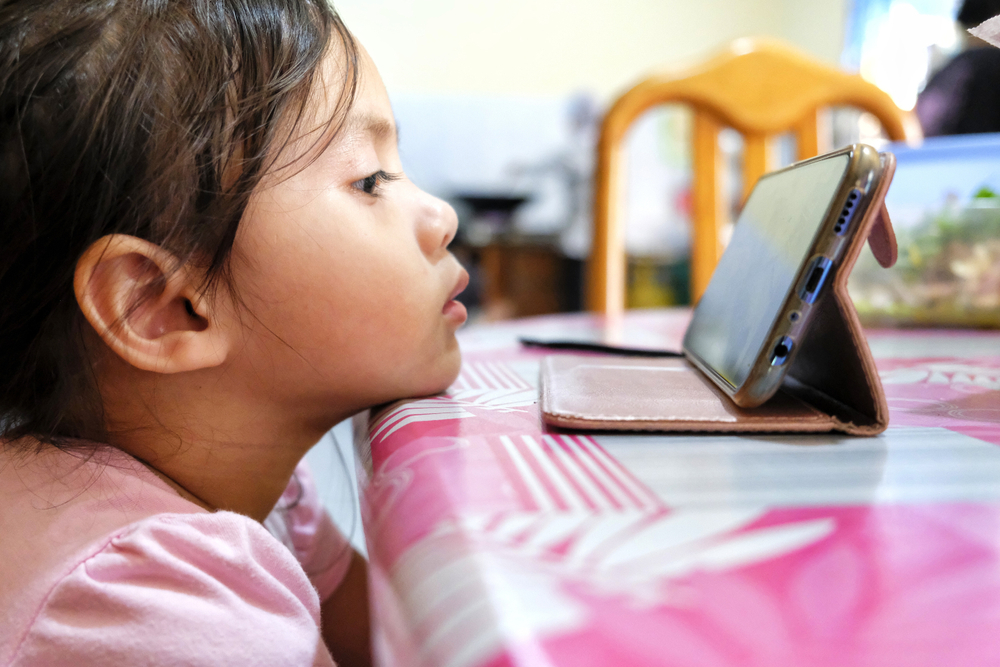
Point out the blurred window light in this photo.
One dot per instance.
(899, 44)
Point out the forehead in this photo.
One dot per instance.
(370, 113)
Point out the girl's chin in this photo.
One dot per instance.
(428, 380)
(446, 373)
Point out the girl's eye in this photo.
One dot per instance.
(371, 185)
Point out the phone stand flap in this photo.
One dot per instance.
(832, 384)
(882, 239)
(834, 369)
(835, 372)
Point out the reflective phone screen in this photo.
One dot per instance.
(771, 241)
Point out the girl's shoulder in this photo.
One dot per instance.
(199, 588)
(57, 508)
(103, 560)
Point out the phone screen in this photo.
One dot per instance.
(771, 241)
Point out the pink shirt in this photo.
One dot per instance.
(103, 563)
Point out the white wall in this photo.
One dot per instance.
(555, 47)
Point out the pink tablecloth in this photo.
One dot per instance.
(496, 542)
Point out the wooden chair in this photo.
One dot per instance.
(760, 88)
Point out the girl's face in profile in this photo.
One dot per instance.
(346, 282)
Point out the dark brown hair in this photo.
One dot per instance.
(155, 118)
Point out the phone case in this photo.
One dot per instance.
(832, 384)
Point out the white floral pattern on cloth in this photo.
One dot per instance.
(953, 374)
(496, 542)
(487, 386)
(960, 394)
(523, 561)
(471, 584)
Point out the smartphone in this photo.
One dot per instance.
(787, 246)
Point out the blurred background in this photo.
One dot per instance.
(498, 105)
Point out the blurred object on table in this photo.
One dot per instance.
(524, 277)
(760, 88)
(512, 274)
(945, 208)
(490, 214)
(518, 171)
(658, 283)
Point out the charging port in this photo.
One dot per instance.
(815, 278)
(781, 351)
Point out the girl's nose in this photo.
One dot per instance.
(437, 226)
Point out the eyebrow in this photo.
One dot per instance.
(378, 127)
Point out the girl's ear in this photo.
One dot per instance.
(147, 308)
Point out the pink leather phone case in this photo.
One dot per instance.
(832, 384)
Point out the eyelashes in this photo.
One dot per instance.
(372, 185)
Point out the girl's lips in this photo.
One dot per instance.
(453, 309)
(463, 282)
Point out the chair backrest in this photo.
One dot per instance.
(760, 88)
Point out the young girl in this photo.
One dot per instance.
(210, 257)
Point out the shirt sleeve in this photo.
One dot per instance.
(181, 589)
(302, 523)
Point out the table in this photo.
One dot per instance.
(494, 541)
